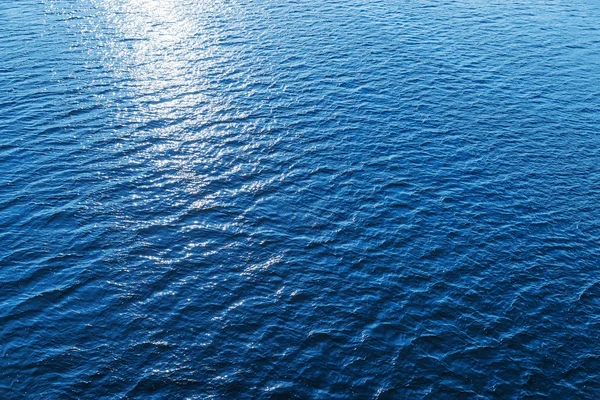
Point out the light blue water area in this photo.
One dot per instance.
(299, 199)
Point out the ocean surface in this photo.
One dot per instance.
(302, 199)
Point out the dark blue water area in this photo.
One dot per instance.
(299, 199)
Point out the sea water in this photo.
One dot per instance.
(299, 199)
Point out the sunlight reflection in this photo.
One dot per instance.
(172, 101)
(158, 36)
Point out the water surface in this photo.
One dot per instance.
(309, 199)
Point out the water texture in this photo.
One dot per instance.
(299, 199)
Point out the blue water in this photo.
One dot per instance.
(299, 199)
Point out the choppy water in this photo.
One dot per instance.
(265, 198)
